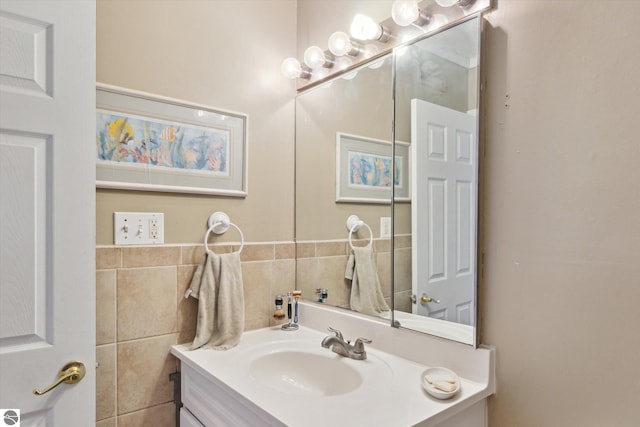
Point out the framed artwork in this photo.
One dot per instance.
(153, 143)
(365, 172)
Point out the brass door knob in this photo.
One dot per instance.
(70, 373)
(425, 299)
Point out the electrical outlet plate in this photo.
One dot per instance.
(138, 228)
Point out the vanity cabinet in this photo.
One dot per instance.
(188, 420)
(208, 402)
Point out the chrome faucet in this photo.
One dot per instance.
(337, 344)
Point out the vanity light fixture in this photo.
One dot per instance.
(449, 3)
(292, 69)
(407, 12)
(340, 44)
(320, 74)
(369, 50)
(342, 63)
(315, 58)
(370, 39)
(365, 28)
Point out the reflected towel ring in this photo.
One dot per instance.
(356, 225)
(219, 223)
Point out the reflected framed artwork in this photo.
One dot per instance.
(153, 143)
(365, 172)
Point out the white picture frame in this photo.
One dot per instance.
(364, 170)
(148, 142)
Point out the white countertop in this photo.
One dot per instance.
(386, 400)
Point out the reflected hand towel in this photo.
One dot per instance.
(366, 293)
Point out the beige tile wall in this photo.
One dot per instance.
(141, 313)
(402, 273)
(321, 264)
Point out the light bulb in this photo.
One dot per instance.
(340, 44)
(343, 63)
(446, 3)
(351, 75)
(291, 68)
(437, 21)
(320, 74)
(405, 12)
(370, 50)
(314, 57)
(376, 64)
(365, 28)
(461, 3)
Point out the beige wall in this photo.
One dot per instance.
(561, 212)
(223, 53)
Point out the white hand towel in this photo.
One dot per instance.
(366, 293)
(217, 284)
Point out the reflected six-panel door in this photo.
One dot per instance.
(443, 215)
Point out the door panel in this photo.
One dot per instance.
(437, 193)
(23, 263)
(27, 52)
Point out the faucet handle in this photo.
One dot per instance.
(358, 347)
(337, 332)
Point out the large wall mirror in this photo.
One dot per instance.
(342, 128)
(418, 106)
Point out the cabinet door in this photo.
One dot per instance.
(215, 404)
(188, 420)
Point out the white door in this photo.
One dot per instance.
(444, 208)
(47, 209)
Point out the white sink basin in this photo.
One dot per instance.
(301, 372)
(303, 368)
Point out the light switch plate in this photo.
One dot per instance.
(138, 228)
(385, 227)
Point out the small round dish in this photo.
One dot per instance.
(437, 382)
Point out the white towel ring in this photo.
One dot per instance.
(353, 224)
(219, 224)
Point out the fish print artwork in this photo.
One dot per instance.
(369, 170)
(149, 142)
